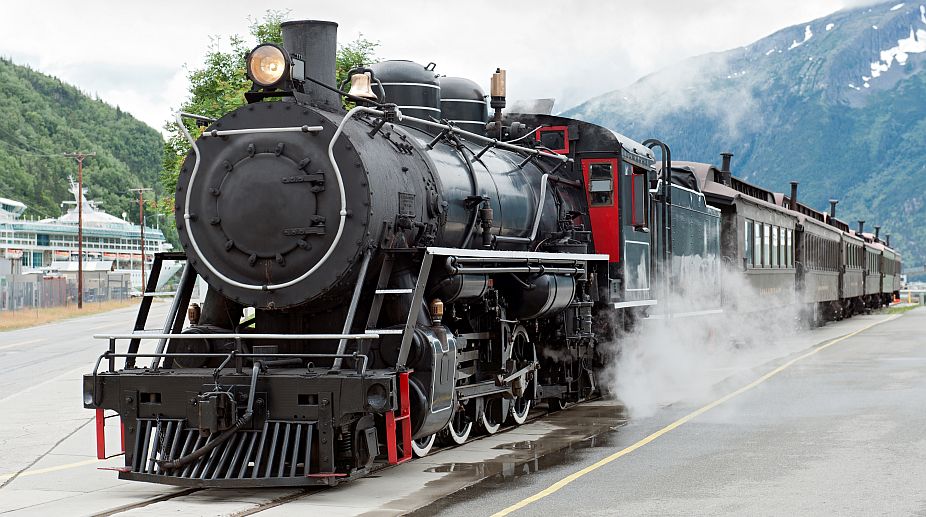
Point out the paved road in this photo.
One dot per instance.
(47, 449)
(726, 460)
(40, 375)
(839, 432)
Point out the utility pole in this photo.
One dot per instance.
(141, 220)
(79, 156)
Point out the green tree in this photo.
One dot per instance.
(41, 118)
(219, 85)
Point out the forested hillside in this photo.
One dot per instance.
(41, 118)
(837, 103)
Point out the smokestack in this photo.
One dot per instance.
(833, 203)
(316, 42)
(877, 231)
(792, 201)
(887, 240)
(725, 168)
(861, 227)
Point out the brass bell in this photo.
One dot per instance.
(360, 86)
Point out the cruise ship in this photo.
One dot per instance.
(51, 244)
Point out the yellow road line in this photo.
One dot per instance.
(21, 343)
(681, 421)
(46, 470)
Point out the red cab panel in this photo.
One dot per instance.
(601, 182)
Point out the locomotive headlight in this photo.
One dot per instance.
(267, 64)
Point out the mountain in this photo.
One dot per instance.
(838, 104)
(41, 118)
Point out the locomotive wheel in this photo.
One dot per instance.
(422, 446)
(524, 353)
(459, 428)
(556, 404)
(493, 415)
(519, 410)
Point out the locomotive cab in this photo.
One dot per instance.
(615, 173)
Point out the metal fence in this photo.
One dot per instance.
(30, 291)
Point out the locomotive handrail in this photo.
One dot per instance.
(479, 138)
(540, 203)
(540, 269)
(285, 337)
(291, 129)
(111, 356)
(508, 256)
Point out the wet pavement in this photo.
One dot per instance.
(841, 432)
(837, 432)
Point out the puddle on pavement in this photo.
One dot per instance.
(577, 429)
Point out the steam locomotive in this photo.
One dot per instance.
(408, 270)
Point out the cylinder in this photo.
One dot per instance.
(462, 287)
(548, 295)
(316, 42)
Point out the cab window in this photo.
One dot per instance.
(555, 138)
(600, 184)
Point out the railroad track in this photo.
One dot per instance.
(301, 493)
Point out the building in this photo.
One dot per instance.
(36, 249)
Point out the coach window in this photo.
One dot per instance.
(747, 243)
(783, 245)
(809, 251)
(767, 245)
(757, 244)
(825, 251)
(600, 184)
(638, 201)
(817, 253)
(774, 246)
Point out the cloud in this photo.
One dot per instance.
(131, 53)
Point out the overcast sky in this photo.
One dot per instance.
(132, 54)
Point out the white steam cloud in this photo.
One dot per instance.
(681, 359)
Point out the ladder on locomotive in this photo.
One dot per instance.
(382, 290)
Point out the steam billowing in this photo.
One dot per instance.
(681, 359)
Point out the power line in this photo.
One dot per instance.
(14, 137)
(21, 152)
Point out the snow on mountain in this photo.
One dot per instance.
(834, 103)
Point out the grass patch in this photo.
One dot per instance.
(900, 309)
(11, 320)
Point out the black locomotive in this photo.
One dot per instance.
(409, 270)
